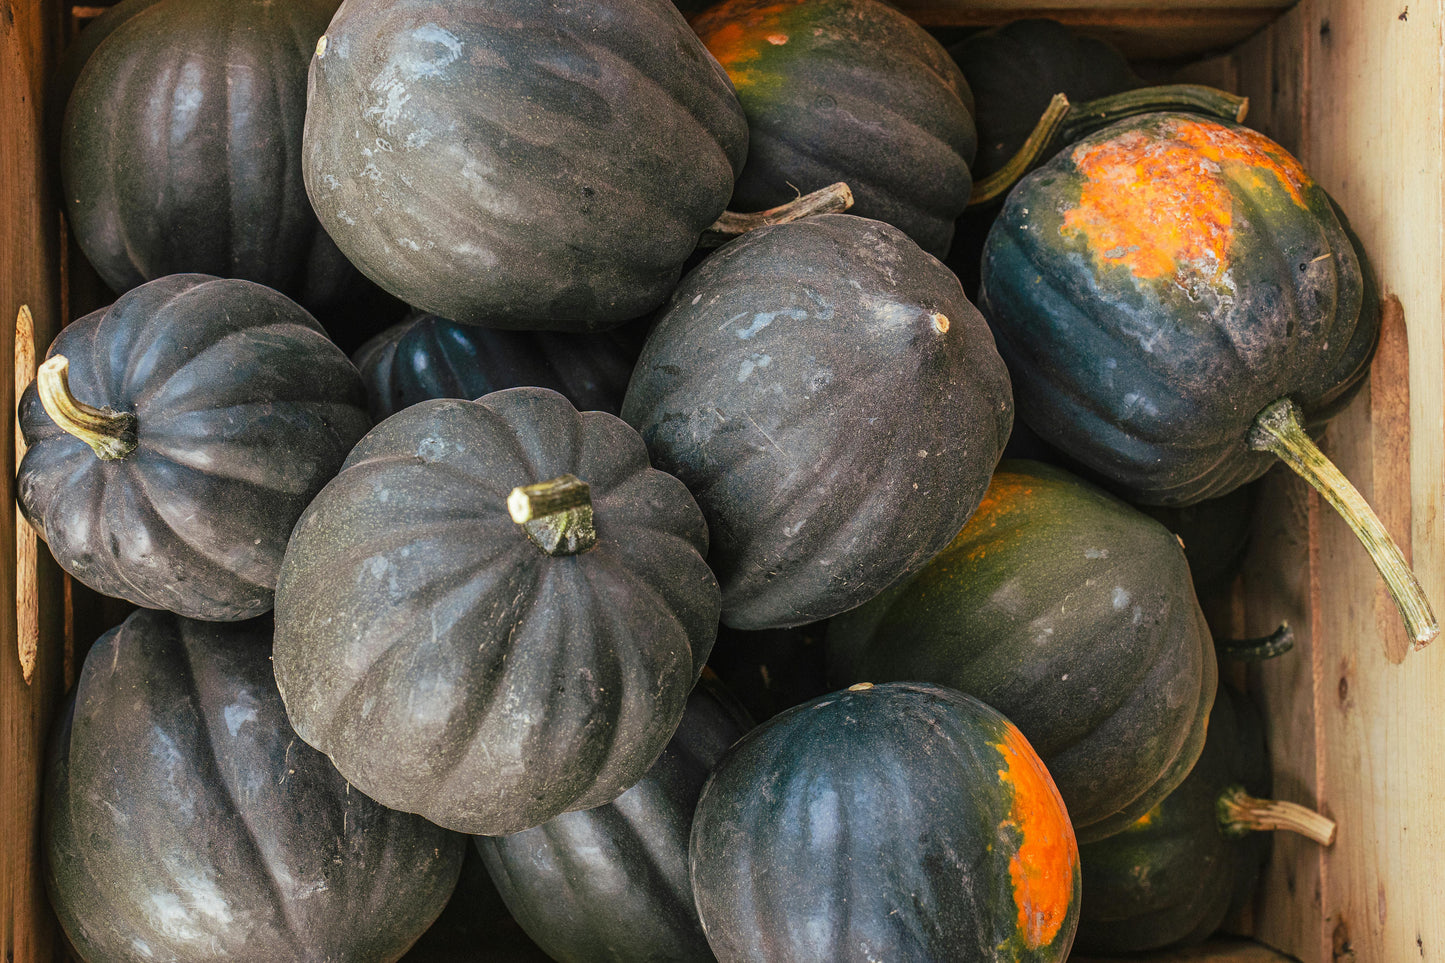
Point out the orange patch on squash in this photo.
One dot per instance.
(1046, 863)
(740, 33)
(1159, 202)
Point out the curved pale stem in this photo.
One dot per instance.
(110, 434)
(833, 199)
(1279, 429)
(555, 514)
(1026, 158)
(1240, 813)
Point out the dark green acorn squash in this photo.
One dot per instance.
(486, 672)
(1073, 614)
(210, 413)
(181, 147)
(847, 90)
(610, 884)
(185, 821)
(430, 357)
(1179, 301)
(836, 406)
(517, 164)
(894, 822)
(1177, 873)
(1015, 70)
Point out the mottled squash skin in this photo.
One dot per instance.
(903, 821)
(520, 165)
(185, 821)
(1073, 614)
(610, 884)
(451, 667)
(853, 91)
(181, 146)
(1157, 284)
(834, 403)
(1173, 876)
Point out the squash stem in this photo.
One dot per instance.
(555, 514)
(833, 199)
(1240, 813)
(1278, 642)
(1278, 429)
(1097, 114)
(1029, 156)
(110, 434)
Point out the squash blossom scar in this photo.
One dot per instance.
(1044, 867)
(1159, 202)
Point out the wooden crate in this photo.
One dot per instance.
(1354, 87)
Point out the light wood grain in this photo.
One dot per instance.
(1215, 951)
(29, 272)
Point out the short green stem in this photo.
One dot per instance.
(1240, 813)
(1097, 114)
(1279, 429)
(555, 514)
(833, 199)
(1278, 642)
(110, 434)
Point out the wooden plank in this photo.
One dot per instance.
(29, 252)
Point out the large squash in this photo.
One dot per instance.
(1073, 614)
(847, 90)
(198, 418)
(185, 821)
(835, 404)
(610, 884)
(181, 147)
(517, 164)
(1179, 301)
(473, 633)
(894, 822)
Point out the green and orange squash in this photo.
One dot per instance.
(903, 821)
(847, 90)
(1074, 615)
(1179, 303)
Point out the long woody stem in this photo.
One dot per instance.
(1278, 642)
(1278, 429)
(1240, 813)
(1029, 156)
(555, 514)
(110, 434)
(833, 199)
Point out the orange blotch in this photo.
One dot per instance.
(734, 33)
(1159, 203)
(1046, 863)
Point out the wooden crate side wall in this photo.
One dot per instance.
(1355, 88)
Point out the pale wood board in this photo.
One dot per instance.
(1356, 91)
(29, 274)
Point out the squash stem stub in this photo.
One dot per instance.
(110, 434)
(555, 514)
(1278, 429)
(1240, 813)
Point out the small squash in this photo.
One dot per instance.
(1073, 614)
(847, 90)
(1173, 876)
(185, 821)
(903, 821)
(430, 357)
(610, 884)
(835, 404)
(494, 613)
(175, 437)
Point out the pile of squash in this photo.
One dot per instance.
(469, 581)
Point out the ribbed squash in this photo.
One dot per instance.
(893, 822)
(185, 821)
(1073, 614)
(494, 613)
